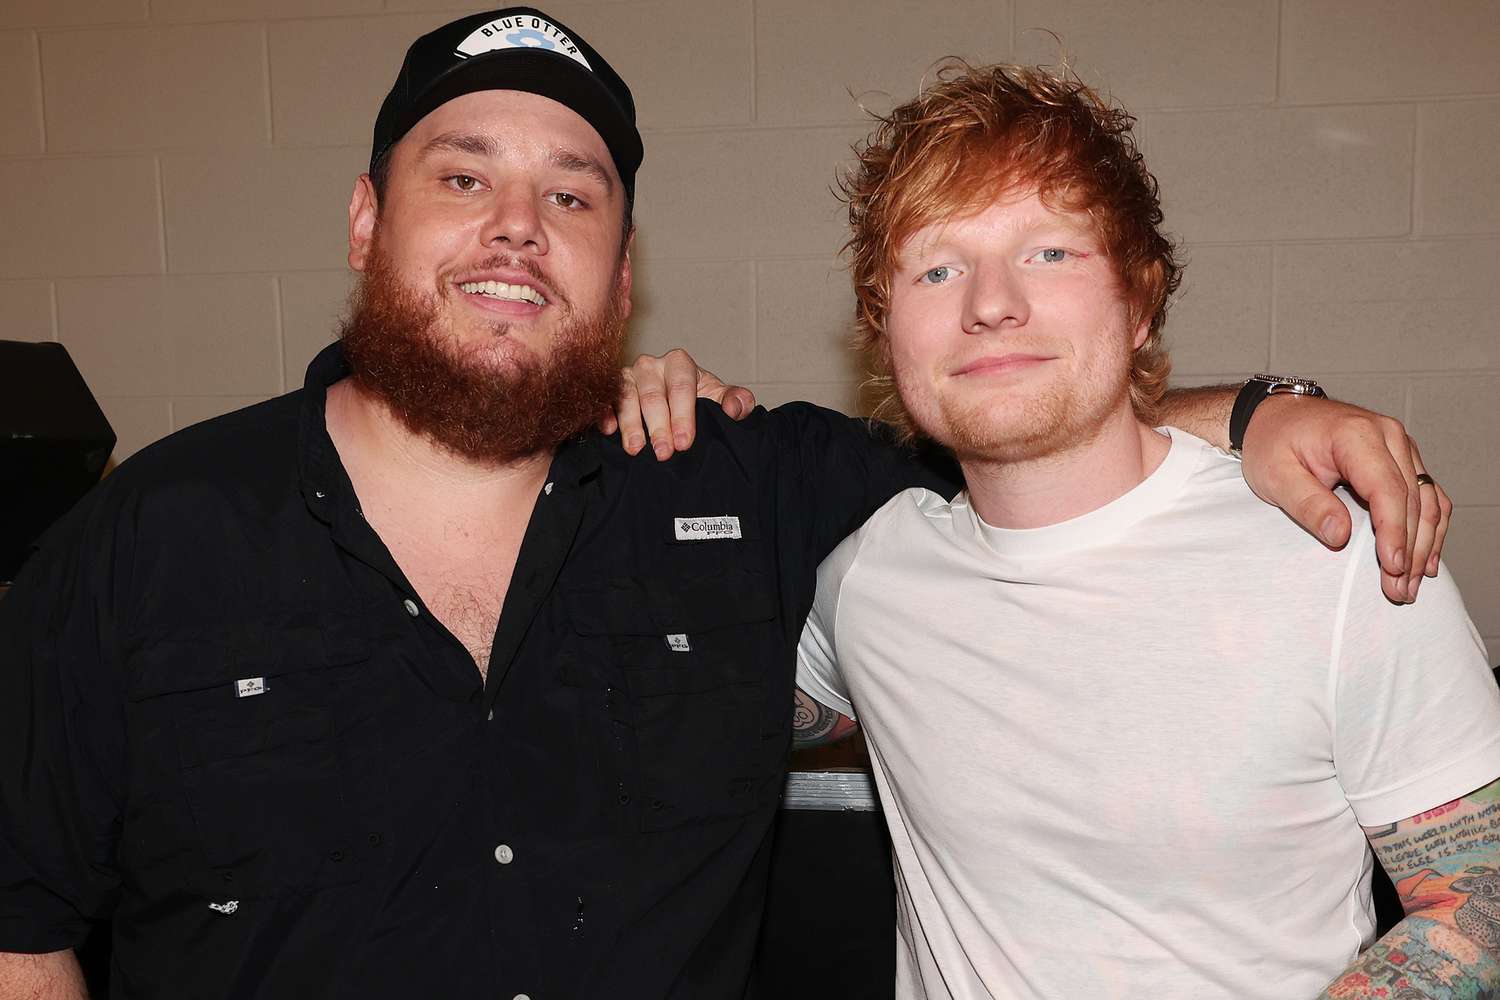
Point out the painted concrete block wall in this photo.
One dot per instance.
(174, 176)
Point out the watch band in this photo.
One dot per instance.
(1257, 389)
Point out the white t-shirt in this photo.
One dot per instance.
(1129, 755)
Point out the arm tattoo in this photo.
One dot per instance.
(1445, 863)
(813, 722)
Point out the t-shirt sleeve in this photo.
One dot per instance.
(62, 753)
(1417, 711)
(818, 672)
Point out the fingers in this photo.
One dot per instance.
(1426, 523)
(659, 403)
(627, 415)
(1313, 505)
(1436, 512)
(655, 407)
(1367, 462)
(682, 405)
(1401, 448)
(738, 401)
(1445, 517)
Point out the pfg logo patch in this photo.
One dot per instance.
(704, 529)
(524, 31)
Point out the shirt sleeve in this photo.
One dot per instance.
(1417, 711)
(62, 752)
(818, 674)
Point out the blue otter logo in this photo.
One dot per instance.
(529, 39)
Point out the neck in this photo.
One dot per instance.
(1056, 487)
(368, 435)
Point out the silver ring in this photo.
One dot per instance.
(1423, 479)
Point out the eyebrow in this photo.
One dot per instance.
(479, 144)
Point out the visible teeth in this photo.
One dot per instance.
(501, 290)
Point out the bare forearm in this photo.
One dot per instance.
(1421, 959)
(52, 976)
(1203, 412)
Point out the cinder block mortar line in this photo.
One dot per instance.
(1276, 55)
(41, 86)
(755, 319)
(280, 333)
(161, 211)
(1271, 320)
(754, 59)
(1416, 166)
(265, 50)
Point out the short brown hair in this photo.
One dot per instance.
(971, 136)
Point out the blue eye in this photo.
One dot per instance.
(937, 275)
(1053, 255)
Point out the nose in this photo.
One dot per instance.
(513, 222)
(996, 301)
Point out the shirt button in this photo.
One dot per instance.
(504, 854)
(520, 996)
(410, 606)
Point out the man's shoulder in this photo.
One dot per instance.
(248, 453)
(908, 525)
(244, 446)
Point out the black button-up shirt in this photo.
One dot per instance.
(229, 724)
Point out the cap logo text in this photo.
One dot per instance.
(520, 32)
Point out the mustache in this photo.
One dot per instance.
(502, 261)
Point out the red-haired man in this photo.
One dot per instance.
(1134, 733)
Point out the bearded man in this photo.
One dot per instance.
(409, 683)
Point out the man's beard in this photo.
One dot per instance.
(463, 397)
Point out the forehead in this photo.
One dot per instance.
(1012, 213)
(519, 120)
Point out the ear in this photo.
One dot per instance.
(1142, 331)
(626, 279)
(364, 210)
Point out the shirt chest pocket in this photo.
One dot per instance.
(681, 679)
(244, 744)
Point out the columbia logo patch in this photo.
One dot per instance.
(245, 687)
(678, 643)
(703, 529)
(525, 31)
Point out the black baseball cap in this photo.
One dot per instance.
(517, 48)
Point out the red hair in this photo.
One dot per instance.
(969, 138)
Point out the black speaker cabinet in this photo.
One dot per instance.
(54, 442)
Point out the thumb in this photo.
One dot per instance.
(1313, 505)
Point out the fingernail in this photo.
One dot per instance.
(1398, 560)
(1330, 524)
(1413, 586)
(633, 443)
(663, 450)
(680, 439)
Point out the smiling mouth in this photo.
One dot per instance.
(1001, 365)
(503, 291)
